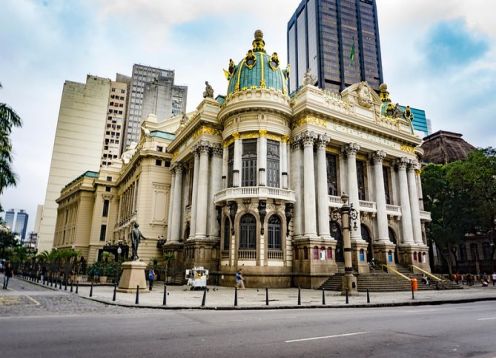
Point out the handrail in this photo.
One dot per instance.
(428, 273)
(389, 268)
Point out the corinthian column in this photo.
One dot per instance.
(380, 196)
(351, 151)
(309, 185)
(414, 202)
(171, 208)
(202, 197)
(194, 195)
(296, 176)
(176, 206)
(406, 214)
(322, 195)
(215, 186)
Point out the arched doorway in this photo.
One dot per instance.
(364, 230)
(247, 237)
(337, 234)
(392, 238)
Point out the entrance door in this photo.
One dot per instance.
(366, 236)
(392, 238)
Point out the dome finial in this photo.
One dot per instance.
(258, 42)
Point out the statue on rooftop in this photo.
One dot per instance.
(209, 91)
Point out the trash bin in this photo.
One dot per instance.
(414, 284)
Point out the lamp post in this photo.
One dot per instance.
(348, 216)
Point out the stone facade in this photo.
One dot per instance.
(255, 176)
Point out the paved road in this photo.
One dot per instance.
(74, 327)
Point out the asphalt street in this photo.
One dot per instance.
(35, 322)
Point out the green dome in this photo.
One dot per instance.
(257, 70)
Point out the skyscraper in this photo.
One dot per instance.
(141, 76)
(9, 219)
(78, 143)
(21, 224)
(337, 41)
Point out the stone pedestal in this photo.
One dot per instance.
(384, 253)
(349, 284)
(133, 275)
(359, 259)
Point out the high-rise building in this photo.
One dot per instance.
(9, 218)
(337, 41)
(141, 76)
(421, 124)
(116, 116)
(163, 99)
(78, 143)
(21, 224)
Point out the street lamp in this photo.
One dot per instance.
(348, 216)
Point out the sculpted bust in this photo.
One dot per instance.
(364, 95)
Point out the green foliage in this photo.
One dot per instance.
(461, 197)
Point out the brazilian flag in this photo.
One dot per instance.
(352, 52)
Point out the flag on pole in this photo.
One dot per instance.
(352, 52)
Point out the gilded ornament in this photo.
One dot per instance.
(250, 59)
(407, 148)
(274, 61)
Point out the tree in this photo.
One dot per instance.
(8, 120)
(461, 197)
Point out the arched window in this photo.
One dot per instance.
(275, 233)
(227, 234)
(316, 254)
(329, 253)
(305, 253)
(248, 232)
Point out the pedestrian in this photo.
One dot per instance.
(7, 275)
(493, 276)
(151, 277)
(240, 280)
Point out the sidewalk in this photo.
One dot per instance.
(222, 298)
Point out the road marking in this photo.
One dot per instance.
(485, 318)
(325, 337)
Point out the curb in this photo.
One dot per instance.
(280, 307)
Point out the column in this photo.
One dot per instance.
(414, 203)
(284, 162)
(406, 215)
(171, 202)
(194, 195)
(237, 160)
(309, 185)
(202, 197)
(225, 156)
(296, 162)
(351, 151)
(262, 158)
(380, 196)
(176, 208)
(322, 195)
(215, 186)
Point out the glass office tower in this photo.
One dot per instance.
(337, 41)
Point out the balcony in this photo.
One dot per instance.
(365, 206)
(425, 216)
(258, 192)
(247, 254)
(393, 210)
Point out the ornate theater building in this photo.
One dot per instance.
(250, 179)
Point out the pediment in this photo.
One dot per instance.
(361, 94)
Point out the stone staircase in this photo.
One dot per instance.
(379, 281)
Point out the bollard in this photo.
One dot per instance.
(368, 296)
(323, 296)
(164, 301)
(235, 296)
(60, 284)
(65, 285)
(299, 297)
(347, 300)
(266, 296)
(413, 293)
(77, 286)
(204, 297)
(91, 290)
(136, 302)
(51, 282)
(71, 285)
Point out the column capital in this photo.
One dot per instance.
(236, 135)
(402, 162)
(351, 149)
(296, 143)
(217, 150)
(322, 141)
(414, 164)
(378, 156)
(203, 147)
(262, 132)
(178, 168)
(308, 138)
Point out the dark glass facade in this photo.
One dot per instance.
(323, 34)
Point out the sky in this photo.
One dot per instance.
(437, 55)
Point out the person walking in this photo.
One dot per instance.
(151, 277)
(493, 277)
(240, 280)
(7, 275)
